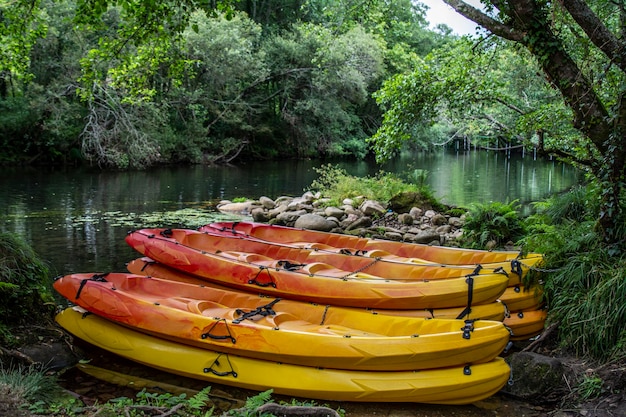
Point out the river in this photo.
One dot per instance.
(76, 219)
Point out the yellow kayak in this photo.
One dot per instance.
(513, 262)
(491, 311)
(457, 385)
(287, 274)
(282, 330)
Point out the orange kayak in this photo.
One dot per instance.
(283, 330)
(526, 324)
(520, 298)
(292, 275)
(511, 261)
(491, 311)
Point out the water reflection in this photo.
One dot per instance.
(77, 219)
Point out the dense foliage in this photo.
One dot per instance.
(573, 110)
(124, 84)
(24, 286)
(585, 281)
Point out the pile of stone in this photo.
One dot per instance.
(359, 216)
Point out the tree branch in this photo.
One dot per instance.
(486, 21)
(598, 33)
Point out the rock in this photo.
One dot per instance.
(309, 197)
(406, 218)
(360, 223)
(441, 230)
(416, 212)
(455, 222)
(404, 201)
(372, 208)
(535, 378)
(438, 220)
(283, 199)
(276, 211)
(239, 208)
(51, 355)
(396, 236)
(321, 202)
(430, 214)
(267, 203)
(426, 236)
(289, 217)
(260, 215)
(333, 212)
(314, 222)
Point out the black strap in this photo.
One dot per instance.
(264, 311)
(95, 277)
(468, 328)
(516, 267)
(470, 292)
(289, 266)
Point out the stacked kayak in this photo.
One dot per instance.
(296, 273)
(311, 314)
(295, 332)
(457, 385)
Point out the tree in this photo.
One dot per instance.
(579, 48)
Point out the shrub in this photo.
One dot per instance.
(336, 184)
(584, 278)
(492, 225)
(24, 284)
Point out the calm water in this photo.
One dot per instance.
(77, 220)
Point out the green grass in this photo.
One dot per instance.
(336, 184)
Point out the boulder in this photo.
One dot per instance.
(267, 203)
(260, 215)
(372, 208)
(333, 212)
(289, 217)
(406, 219)
(455, 222)
(536, 378)
(426, 236)
(314, 222)
(395, 236)
(438, 220)
(360, 223)
(404, 201)
(238, 208)
(276, 211)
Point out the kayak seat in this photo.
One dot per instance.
(377, 253)
(199, 306)
(286, 321)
